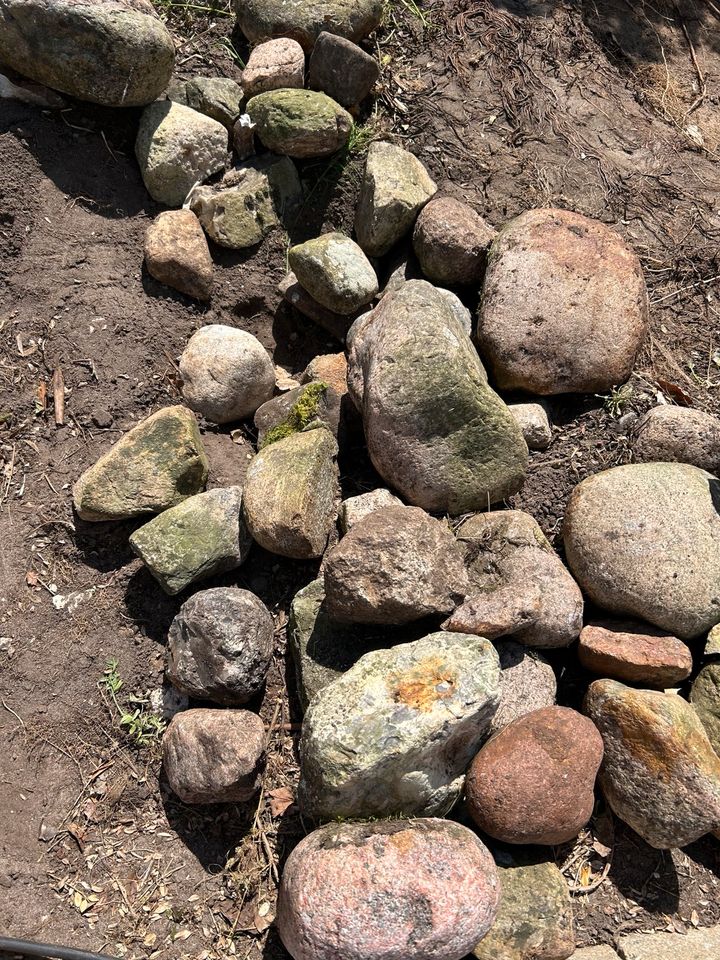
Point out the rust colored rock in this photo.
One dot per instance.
(422, 889)
(533, 782)
(635, 653)
(450, 241)
(177, 254)
(330, 368)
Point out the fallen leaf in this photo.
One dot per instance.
(280, 800)
(601, 850)
(585, 875)
(31, 578)
(676, 392)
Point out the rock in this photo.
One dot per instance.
(527, 683)
(660, 773)
(341, 69)
(335, 324)
(642, 539)
(335, 272)
(450, 241)
(299, 123)
(533, 782)
(396, 566)
(154, 466)
(113, 52)
(220, 646)
(248, 202)
(705, 697)
(274, 65)
(177, 254)
(703, 944)
(226, 373)
(330, 368)
(355, 509)
(216, 97)
(294, 411)
(634, 653)
(564, 306)
(395, 733)
(322, 649)
(214, 756)
(712, 645)
(166, 701)
(305, 20)
(435, 430)
(519, 587)
(176, 148)
(395, 188)
(533, 420)
(290, 499)
(595, 953)
(678, 434)
(534, 921)
(201, 537)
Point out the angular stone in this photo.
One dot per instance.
(299, 123)
(305, 20)
(642, 540)
(527, 683)
(395, 733)
(395, 188)
(214, 756)
(564, 305)
(396, 566)
(176, 148)
(341, 69)
(216, 97)
(712, 645)
(519, 587)
(660, 773)
(355, 509)
(705, 697)
(177, 254)
(298, 297)
(330, 368)
(274, 65)
(533, 420)
(678, 434)
(534, 781)
(534, 921)
(703, 944)
(154, 466)
(435, 430)
(113, 52)
(294, 411)
(203, 536)
(290, 500)
(450, 241)
(220, 645)
(335, 272)
(635, 653)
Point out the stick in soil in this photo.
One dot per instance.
(58, 387)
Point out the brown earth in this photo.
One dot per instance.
(600, 108)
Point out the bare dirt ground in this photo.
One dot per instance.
(610, 109)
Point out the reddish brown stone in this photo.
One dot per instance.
(533, 782)
(177, 254)
(635, 653)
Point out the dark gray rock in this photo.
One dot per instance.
(341, 69)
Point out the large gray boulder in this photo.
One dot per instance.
(644, 539)
(113, 52)
(394, 735)
(435, 429)
(305, 20)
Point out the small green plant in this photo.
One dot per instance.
(615, 402)
(142, 726)
(229, 48)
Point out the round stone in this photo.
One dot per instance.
(334, 270)
(678, 434)
(274, 65)
(305, 20)
(450, 241)
(299, 123)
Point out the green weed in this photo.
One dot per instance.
(142, 726)
(615, 402)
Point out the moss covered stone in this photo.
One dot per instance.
(300, 123)
(303, 413)
(334, 270)
(305, 20)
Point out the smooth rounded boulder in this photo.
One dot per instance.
(334, 270)
(305, 20)
(534, 781)
(678, 434)
(644, 539)
(299, 123)
(450, 241)
(564, 305)
(274, 65)
(423, 889)
(117, 53)
(660, 773)
(435, 429)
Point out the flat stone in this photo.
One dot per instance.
(702, 944)
(450, 241)
(705, 697)
(203, 536)
(299, 123)
(643, 539)
(395, 733)
(355, 509)
(220, 645)
(527, 683)
(678, 434)
(335, 272)
(216, 97)
(395, 188)
(214, 756)
(634, 653)
(395, 566)
(418, 890)
(564, 306)
(154, 466)
(546, 761)
(176, 148)
(177, 254)
(305, 20)
(533, 420)
(274, 65)
(660, 773)
(341, 69)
